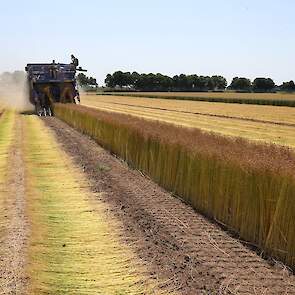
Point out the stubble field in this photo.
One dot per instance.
(276, 99)
(228, 95)
(260, 123)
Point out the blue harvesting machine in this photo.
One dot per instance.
(51, 83)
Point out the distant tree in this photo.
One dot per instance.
(127, 79)
(84, 81)
(140, 82)
(210, 84)
(218, 82)
(166, 82)
(263, 85)
(109, 81)
(175, 82)
(202, 83)
(92, 81)
(118, 78)
(149, 81)
(134, 78)
(288, 86)
(240, 84)
(183, 82)
(192, 80)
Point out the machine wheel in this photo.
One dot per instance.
(38, 110)
(76, 100)
(49, 112)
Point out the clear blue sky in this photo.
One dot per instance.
(229, 37)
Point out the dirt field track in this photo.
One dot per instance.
(79, 221)
(264, 123)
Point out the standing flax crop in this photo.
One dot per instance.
(248, 187)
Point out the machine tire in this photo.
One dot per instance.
(38, 110)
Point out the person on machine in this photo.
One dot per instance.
(75, 61)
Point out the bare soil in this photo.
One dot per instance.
(180, 247)
(13, 243)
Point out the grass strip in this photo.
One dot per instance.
(6, 136)
(246, 186)
(75, 246)
(7, 121)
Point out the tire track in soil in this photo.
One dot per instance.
(178, 245)
(13, 278)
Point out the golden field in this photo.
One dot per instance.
(228, 95)
(255, 122)
(274, 99)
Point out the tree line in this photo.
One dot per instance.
(159, 82)
(85, 81)
(182, 82)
